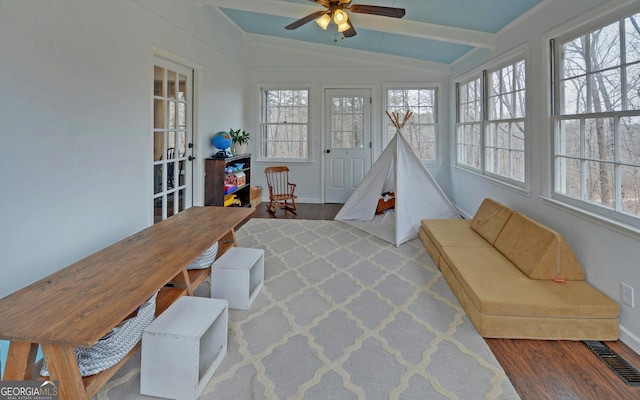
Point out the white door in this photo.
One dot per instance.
(347, 140)
(172, 139)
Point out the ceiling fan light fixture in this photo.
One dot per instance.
(343, 27)
(324, 21)
(340, 17)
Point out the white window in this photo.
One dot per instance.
(469, 124)
(490, 128)
(422, 130)
(285, 124)
(597, 119)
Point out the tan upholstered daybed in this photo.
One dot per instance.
(516, 278)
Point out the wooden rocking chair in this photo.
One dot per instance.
(281, 191)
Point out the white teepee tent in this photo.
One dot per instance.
(417, 195)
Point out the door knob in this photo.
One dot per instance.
(191, 158)
(328, 151)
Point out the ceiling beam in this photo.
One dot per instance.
(403, 26)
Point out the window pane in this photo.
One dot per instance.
(630, 190)
(517, 135)
(568, 177)
(568, 143)
(630, 140)
(633, 86)
(574, 93)
(605, 47)
(606, 91)
(517, 165)
(574, 60)
(600, 183)
(599, 139)
(632, 38)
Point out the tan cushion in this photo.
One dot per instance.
(490, 218)
(539, 252)
(452, 233)
(532, 327)
(494, 286)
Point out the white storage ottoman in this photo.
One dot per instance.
(183, 347)
(238, 276)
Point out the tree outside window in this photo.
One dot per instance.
(422, 130)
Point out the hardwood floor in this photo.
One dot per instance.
(538, 369)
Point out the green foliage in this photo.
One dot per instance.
(240, 137)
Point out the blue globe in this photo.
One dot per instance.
(221, 140)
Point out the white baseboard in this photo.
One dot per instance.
(630, 339)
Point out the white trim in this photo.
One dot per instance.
(609, 223)
(631, 340)
(592, 19)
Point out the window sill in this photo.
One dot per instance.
(609, 223)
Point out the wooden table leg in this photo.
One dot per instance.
(20, 361)
(63, 367)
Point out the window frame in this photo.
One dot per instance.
(612, 216)
(261, 140)
(520, 54)
(386, 123)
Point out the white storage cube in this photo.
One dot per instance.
(238, 276)
(183, 347)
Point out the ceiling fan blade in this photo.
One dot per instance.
(351, 32)
(378, 10)
(304, 20)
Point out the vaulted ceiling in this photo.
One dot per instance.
(439, 31)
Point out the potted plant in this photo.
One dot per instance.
(239, 139)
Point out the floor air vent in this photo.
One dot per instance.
(617, 364)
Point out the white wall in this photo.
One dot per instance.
(76, 145)
(608, 256)
(287, 62)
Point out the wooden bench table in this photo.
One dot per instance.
(81, 303)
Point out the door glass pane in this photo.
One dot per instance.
(158, 80)
(158, 145)
(158, 113)
(172, 115)
(171, 84)
(157, 182)
(157, 209)
(181, 144)
(347, 123)
(181, 206)
(170, 204)
(171, 169)
(182, 93)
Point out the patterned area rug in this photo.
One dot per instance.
(344, 315)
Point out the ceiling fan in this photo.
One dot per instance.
(336, 12)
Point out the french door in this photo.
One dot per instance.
(172, 138)
(347, 141)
